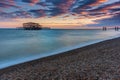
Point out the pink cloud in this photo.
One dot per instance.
(33, 2)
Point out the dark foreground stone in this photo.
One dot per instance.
(99, 61)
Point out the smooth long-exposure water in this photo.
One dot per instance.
(17, 46)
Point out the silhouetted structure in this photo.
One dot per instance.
(116, 28)
(104, 28)
(46, 28)
(31, 26)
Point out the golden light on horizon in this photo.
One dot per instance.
(103, 1)
(54, 22)
(59, 13)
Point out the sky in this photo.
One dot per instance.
(60, 13)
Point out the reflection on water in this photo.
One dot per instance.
(17, 46)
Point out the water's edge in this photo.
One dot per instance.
(28, 59)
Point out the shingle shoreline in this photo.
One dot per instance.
(100, 61)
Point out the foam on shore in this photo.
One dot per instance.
(65, 49)
(96, 61)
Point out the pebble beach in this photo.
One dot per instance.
(100, 61)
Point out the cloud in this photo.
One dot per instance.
(54, 12)
(3, 15)
(56, 6)
(82, 5)
(20, 14)
(50, 12)
(8, 4)
(112, 21)
(37, 13)
(106, 6)
(4, 5)
(31, 2)
(16, 14)
(76, 9)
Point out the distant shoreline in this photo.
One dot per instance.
(96, 57)
(53, 29)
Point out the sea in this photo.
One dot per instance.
(18, 46)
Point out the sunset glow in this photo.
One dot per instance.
(60, 14)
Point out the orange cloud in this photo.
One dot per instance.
(66, 6)
(107, 8)
(34, 2)
(101, 1)
(98, 2)
(54, 22)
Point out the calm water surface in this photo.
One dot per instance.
(17, 46)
